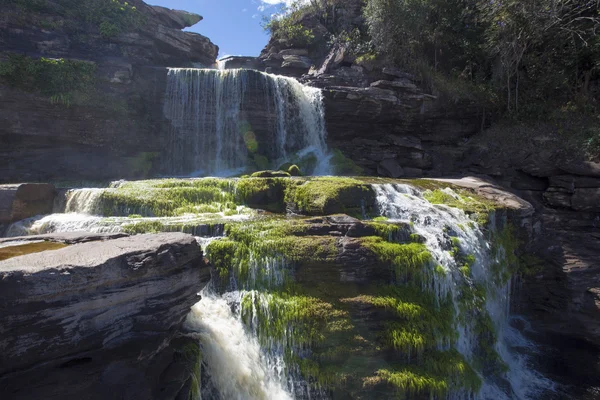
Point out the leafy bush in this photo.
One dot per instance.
(287, 25)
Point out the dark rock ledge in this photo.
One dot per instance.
(100, 320)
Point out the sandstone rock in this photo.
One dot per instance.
(412, 142)
(587, 200)
(395, 85)
(397, 73)
(390, 168)
(22, 201)
(235, 62)
(555, 197)
(294, 52)
(292, 61)
(572, 182)
(583, 168)
(96, 317)
(176, 19)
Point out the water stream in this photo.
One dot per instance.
(224, 121)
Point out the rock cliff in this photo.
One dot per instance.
(99, 319)
(112, 128)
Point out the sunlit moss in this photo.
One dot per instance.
(408, 260)
(328, 195)
(441, 373)
(417, 320)
(475, 206)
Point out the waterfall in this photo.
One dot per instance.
(434, 222)
(224, 122)
(234, 358)
(84, 201)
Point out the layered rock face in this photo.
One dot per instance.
(117, 128)
(100, 319)
(22, 201)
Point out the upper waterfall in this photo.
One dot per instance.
(225, 122)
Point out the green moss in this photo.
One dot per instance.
(344, 166)
(410, 261)
(264, 193)
(442, 373)
(417, 321)
(327, 195)
(169, 197)
(294, 170)
(476, 207)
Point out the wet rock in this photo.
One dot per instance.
(97, 317)
(22, 201)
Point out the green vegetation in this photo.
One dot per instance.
(476, 207)
(58, 79)
(169, 197)
(109, 17)
(444, 371)
(344, 166)
(525, 51)
(411, 262)
(322, 196)
(287, 25)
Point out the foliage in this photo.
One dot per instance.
(526, 51)
(110, 17)
(58, 79)
(287, 25)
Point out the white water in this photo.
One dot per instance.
(212, 111)
(433, 222)
(81, 209)
(234, 358)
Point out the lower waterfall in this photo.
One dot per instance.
(225, 122)
(433, 222)
(419, 307)
(236, 363)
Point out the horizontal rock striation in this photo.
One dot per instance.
(97, 320)
(113, 130)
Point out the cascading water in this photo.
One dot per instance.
(404, 203)
(224, 121)
(237, 365)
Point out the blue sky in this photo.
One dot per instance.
(233, 25)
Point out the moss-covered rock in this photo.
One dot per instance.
(270, 174)
(328, 195)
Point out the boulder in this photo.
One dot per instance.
(97, 320)
(22, 201)
(294, 52)
(390, 168)
(176, 19)
(587, 200)
(292, 61)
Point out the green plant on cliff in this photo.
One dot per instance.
(110, 16)
(59, 79)
(287, 25)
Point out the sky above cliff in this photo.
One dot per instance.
(233, 25)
